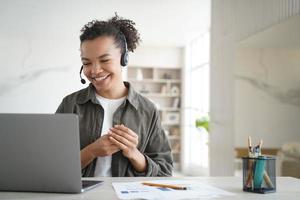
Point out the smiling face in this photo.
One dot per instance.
(101, 65)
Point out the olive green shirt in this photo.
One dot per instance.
(137, 113)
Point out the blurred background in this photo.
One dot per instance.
(218, 71)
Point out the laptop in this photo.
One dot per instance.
(41, 153)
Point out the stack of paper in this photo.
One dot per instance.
(195, 190)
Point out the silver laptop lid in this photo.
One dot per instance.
(40, 152)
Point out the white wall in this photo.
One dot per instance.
(37, 71)
(39, 53)
(151, 56)
(267, 95)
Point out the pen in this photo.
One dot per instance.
(165, 186)
(260, 144)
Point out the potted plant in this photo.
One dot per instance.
(202, 122)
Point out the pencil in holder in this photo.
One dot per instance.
(259, 174)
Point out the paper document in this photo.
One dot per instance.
(195, 190)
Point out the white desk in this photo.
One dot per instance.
(287, 188)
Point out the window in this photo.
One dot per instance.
(195, 160)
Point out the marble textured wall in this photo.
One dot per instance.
(36, 72)
(233, 21)
(39, 54)
(267, 95)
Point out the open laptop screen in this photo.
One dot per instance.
(40, 152)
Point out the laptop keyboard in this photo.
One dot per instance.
(87, 184)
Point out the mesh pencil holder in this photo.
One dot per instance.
(259, 174)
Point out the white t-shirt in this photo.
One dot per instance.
(103, 164)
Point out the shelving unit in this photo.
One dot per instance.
(163, 87)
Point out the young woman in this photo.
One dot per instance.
(120, 130)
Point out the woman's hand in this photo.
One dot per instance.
(103, 147)
(127, 141)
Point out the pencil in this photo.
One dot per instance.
(176, 187)
(250, 147)
(250, 164)
(268, 180)
(249, 173)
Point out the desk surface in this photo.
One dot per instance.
(287, 188)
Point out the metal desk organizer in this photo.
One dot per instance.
(259, 174)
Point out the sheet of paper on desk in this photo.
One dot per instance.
(135, 190)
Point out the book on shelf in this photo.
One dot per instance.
(176, 102)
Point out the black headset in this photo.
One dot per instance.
(123, 61)
(124, 56)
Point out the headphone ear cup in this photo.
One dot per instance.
(124, 59)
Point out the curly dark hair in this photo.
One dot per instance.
(117, 27)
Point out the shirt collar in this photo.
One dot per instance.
(89, 93)
(132, 96)
(86, 95)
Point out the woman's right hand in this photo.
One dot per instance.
(103, 147)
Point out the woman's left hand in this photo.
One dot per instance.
(125, 139)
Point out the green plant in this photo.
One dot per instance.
(203, 122)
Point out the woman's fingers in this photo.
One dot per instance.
(126, 129)
(119, 144)
(126, 135)
(121, 139)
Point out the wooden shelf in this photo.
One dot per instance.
(160, 95)
(169, 124)
(174, 137)
(163, 87)
(169, 109)
(155, 80)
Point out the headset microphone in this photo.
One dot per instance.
(82, 80)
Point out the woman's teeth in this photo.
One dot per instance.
(100, 78)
